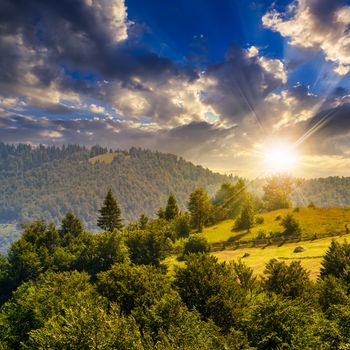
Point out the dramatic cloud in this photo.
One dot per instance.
(237, 86)
(321, 25)
(78, 71)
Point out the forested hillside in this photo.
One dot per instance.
(330, 192)
(46, 182)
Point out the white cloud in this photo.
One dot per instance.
(321, 28)
(272, 66)
(113, 13)
(97, 109)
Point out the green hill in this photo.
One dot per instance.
(312, 220)
(322, 221)
(46, 182)
(257, 257)
(326, 223)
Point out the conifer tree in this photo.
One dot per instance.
(199, 207)
(143, 221)
(160, 213)
(245, 221)
(109, 218)
(171, 210)
(71, 224)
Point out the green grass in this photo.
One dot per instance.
(105, 158)
(310, 259)
(318, 220)
(258, 257)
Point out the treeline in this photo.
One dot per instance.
(330, 192)
(46, 182)
(65, 288)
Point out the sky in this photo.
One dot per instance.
(226, 84)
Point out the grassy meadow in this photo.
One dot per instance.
(312, 220)
(106, 158)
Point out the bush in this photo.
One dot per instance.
(196, 243)
(182, 225)
(291, 226)
(261, 235)
(259, 220)
(246, 219)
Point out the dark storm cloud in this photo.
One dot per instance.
(333, 121)
(240, 84)
(43, 36)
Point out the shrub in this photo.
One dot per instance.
(291, 226)
(259, 220)
(261, 235)
(196, 243)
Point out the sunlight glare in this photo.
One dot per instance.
(280, 157)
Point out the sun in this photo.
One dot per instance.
(280, 157)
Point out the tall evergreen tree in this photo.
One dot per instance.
(246, 219)
(160, 213)
(171, 210)
(109, 218)
(71, 224)
(199, 207)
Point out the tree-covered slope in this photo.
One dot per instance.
(47, 182)
(327, 192)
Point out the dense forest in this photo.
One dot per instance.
(62, 287)
(46, 182)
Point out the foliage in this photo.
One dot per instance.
(143, 221)
(282, 324)
(287, 280)
(171, 209)
(199, 206)
(109, 218)
(336, 261)
(172, 326)
(47, 182)
(34, 303)
(259, 220)
(42, 247)
(291, 226)
(276, 192)
(87, 326)
(182, 225)
(212, 289)
(246, 219)
(196, 243)
(230, 199)
(332, 291)
(148, 246)
(71, 225)
(133, 287)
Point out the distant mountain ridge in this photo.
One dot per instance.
(46, 182)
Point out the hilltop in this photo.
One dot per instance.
(46, 182)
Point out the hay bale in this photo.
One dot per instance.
(299, 249)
